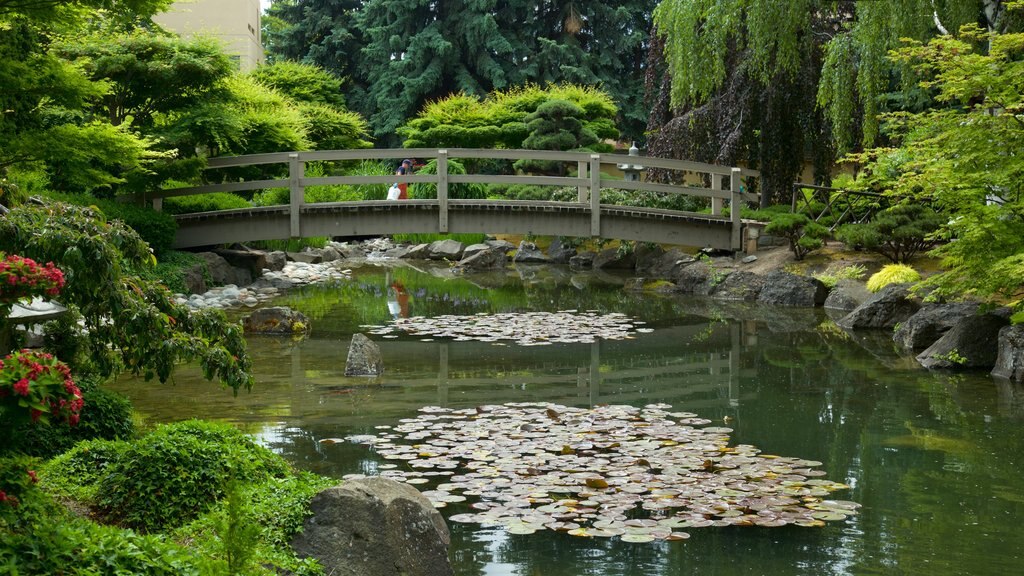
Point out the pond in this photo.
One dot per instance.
(935, 459)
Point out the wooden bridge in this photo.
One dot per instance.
(584, 217)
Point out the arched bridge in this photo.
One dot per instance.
(586, 216)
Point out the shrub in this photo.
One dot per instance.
(461, 191)
(892, 274)
(106, 415)
(831, 276)
(156, 228)
(170, 270)
(76, 473)
(804, 235)
(204, 203)
(897, 233)
(178, 471)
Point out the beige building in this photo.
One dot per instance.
(236, 23)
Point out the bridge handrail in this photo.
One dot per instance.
(589, 180)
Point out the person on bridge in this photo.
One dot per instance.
(403, 187)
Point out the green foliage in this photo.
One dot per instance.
(106, 415)
(75, 547)
(467, 239)
(555, 125)
(460, 191)
(204, 203)
(157, 229)
(892, 274)
(130, 324)
(898, 233)
(301, 82)
(803, 234)
(500, 120)
(76, 473)
(178, 471)
(170, 270)
(832, 275)
(271, 513)
(959, 159)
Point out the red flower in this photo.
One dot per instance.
(21, 387)
(32, 475)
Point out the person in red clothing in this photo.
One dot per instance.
(403, 169)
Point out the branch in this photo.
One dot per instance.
(938, 23)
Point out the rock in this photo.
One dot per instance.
(884, 309)
(582, 260)
(1010, 358)
(785, 289)
(347, 250)
(329, 254)
(446, 249)
(529, 253)
(364, 358)
(222, 272)
(614, 259)
(488, 259)
(559, 251)
(275, 320)
(744, 286)
(503, 244)
(971, 343)
(375, 527)
(195, 279)
(276, 260)
(696, 277)
(305, 257)
(847, 295)
(647, 256)
(931, 322)
(666, 265)
(656, 285)
(749, 259)
(243, 258)
(474, 249)
(397, 252)
(417, 252)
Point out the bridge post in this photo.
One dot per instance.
(296, 194)
(716, 203)
(595, 195)
(581, 190)
(442, 191)
(735, 204)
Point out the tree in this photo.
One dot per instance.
(130, 324)
(399, 56)
(719, 55)
(964, 158)
(555, 125)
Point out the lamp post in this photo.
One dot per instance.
(632, 171)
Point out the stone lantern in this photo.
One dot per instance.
(632, 171)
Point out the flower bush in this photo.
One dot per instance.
(24, 278)
(40, 383)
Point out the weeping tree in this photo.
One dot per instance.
(766, 81)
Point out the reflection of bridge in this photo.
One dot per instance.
(584, 217)
(706, 379)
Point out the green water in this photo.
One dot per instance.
(935, 459)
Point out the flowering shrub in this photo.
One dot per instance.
(24, 278)
(42, 384)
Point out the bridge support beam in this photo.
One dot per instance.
(296, 194)
(735, 204)
(595, 195)
(442, 190)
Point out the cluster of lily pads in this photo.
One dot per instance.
(642, 474)
(525, 329)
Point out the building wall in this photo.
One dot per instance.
(236, 23)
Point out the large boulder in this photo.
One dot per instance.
(417, 252)
(614, 259)
(696, 277)
(474, 249)
(971, 343)
(364, 357)
(241, 257)
(559, 251)
(1010, 358)
(222, 272)
(664, 264)
(785, 289)
(194, 278)
(276, 260)
(529, 253)
(306, 257)
(886, 308)
(330, 254)
(847, 295)
(375, 527)
(745, 286)
(503, 244)
(446, 249)
(487, 259)
(930, 323)
(275, 320)
(583, 260)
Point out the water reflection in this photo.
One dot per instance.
(934, 458)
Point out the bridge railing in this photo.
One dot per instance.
(726, 183)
